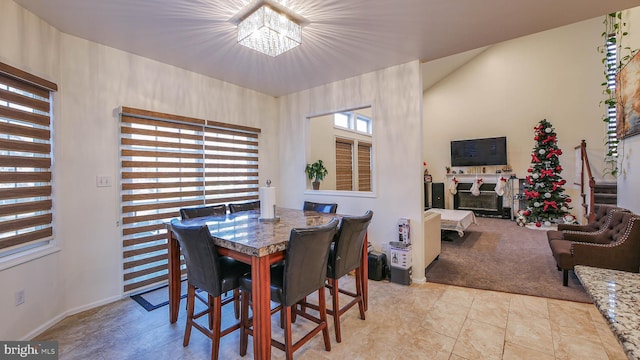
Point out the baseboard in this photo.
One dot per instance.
(42, 328)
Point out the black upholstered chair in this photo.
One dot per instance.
(302, 273)
(345, 256)
(237, 207)
(202, 211)
(320, 207)
(209, 272)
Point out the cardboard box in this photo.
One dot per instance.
(400, 257)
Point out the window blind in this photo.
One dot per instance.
(364, 166)
(169, 162)
(344, 164)
(26, 207)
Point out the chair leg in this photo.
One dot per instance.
(191, 293)
(323, 318)
(335, 292)
(216, 313)
(359, 278)
(285, 315)
(236, 303)
(565, 277)
(244, 324)
(209, 304)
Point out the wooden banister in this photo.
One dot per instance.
(584, 164)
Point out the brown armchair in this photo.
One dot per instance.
(602, 220)
(617, 247)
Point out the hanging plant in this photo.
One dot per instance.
(614, 57)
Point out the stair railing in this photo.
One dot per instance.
(584, 164)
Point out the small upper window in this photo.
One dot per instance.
(352, 120)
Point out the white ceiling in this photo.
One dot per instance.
(344, 37)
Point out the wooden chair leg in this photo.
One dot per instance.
(285, 315)
(323, 318)
(216, 313)
(359, 292)
(565, 277)
(210, 304)
(236, 303)
(244, 324)
(191, 292)
(335, 292)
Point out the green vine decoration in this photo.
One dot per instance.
(615, 30)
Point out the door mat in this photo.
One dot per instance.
(157, 298)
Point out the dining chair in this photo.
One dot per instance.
(345, 256)
(237, 207)
(209, 272)
(212, 210)
(320, 207)
(202, 211)
(302, 273)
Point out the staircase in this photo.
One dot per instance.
(605, 193)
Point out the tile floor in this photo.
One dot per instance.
(421, 321)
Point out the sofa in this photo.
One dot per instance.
(615, 245)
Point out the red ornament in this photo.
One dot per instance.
(536, 138)
(527, 213)
(530, 170)
(538, 224)
(568, 200)
(558, 168)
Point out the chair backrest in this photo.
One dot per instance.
(603, 215)
(616, 226)
(202, 211)
(347, 249)
(305, 266)
(201, 256)
(320, 207)
(252, 205)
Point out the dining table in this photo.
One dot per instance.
(246, 237)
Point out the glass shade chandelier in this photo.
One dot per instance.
(269, 31)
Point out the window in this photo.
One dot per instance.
(345, 120)
(26, 205)
(364, 166)
(611, 70)
(169, 162)
(344, 164)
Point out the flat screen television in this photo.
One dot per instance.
(479, 152)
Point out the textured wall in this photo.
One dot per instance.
(395, 94)
(94, 81)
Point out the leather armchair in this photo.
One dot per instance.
(617, 247)
(604, 214)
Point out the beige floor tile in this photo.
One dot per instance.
(491, 308)
(577, 348)
(459, 296)
(610, 342)
(568, 320)
(517, 352)
(478, 340)
(529, 306)
(530, 332)
(445, 318)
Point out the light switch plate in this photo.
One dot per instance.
(103, 181)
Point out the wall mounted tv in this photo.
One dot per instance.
(479, 152)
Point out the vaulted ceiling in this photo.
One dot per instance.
(344, 37)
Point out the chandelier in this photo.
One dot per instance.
(269, 27)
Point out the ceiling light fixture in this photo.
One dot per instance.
(268, 27)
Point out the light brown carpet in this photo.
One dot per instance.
(499, 255)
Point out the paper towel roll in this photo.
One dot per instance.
(267, 202)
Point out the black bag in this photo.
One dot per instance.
(378, 267)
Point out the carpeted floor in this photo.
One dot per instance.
(499, 255)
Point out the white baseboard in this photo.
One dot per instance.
(42, 328)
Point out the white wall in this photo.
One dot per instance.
(93, 81)
(507, 89)
(629, 178)
(395, 94)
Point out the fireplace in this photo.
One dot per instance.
(488, 203)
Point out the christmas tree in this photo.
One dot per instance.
(544, 191)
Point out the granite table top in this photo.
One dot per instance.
(617, 295)
(246, 233)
